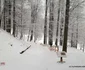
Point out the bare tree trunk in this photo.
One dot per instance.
(7, 16)
(14, 25)
(62, 21)
(4, 26)
(56, 42)
(66, 26)
(34, 29)
(0, 13)
(73, 40)
(45, 24)
(34, 13)
(72, 36)
(31, 37)
(61, 31)
(8, 24)
(32, 22)
(77, 33)
(21, 19)
(35, 25)
(51, 21)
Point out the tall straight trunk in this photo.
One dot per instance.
(56, 42)
(31, 37)
(77, 32)
(35, 24)
(8, 24)
(14, 25)
(32, 23)
(34, 13)
(72, 35)
(66, 26)
(0, 13)
(45, 24)
(4, 26)
(35, 33)
(21, 36)
(31, 31)
(61, 31)
(51, 21)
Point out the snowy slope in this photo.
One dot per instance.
(36, 57)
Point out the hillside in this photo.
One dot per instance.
(36, 57)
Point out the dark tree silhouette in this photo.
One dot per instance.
(51, 22)
(66, 26)
(45, 24)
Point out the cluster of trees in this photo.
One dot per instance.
(69, 15)
(20, 17)
(57, 21)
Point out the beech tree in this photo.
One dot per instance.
(66, 26)
(0, 13)
(50, 19)
(14, 24)
(51, 22)
(45, 24)
(6, 23)
(58, 18)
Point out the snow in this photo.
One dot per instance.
(37, 57)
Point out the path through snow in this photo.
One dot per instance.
(36, 57)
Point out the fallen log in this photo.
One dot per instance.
(25, 50)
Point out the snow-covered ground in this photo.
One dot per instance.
(36, 57)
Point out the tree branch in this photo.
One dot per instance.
(71, 10)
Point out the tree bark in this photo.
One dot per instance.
(66, 26)
(14, 25)
(8, 24)
(21, 19)
(4, 25)
(51, 21)
(31, 37)
(45, 24)
(77, 33)
(0, 13)
(58, 18)
(61, 30)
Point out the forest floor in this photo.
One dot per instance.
(37, 57)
